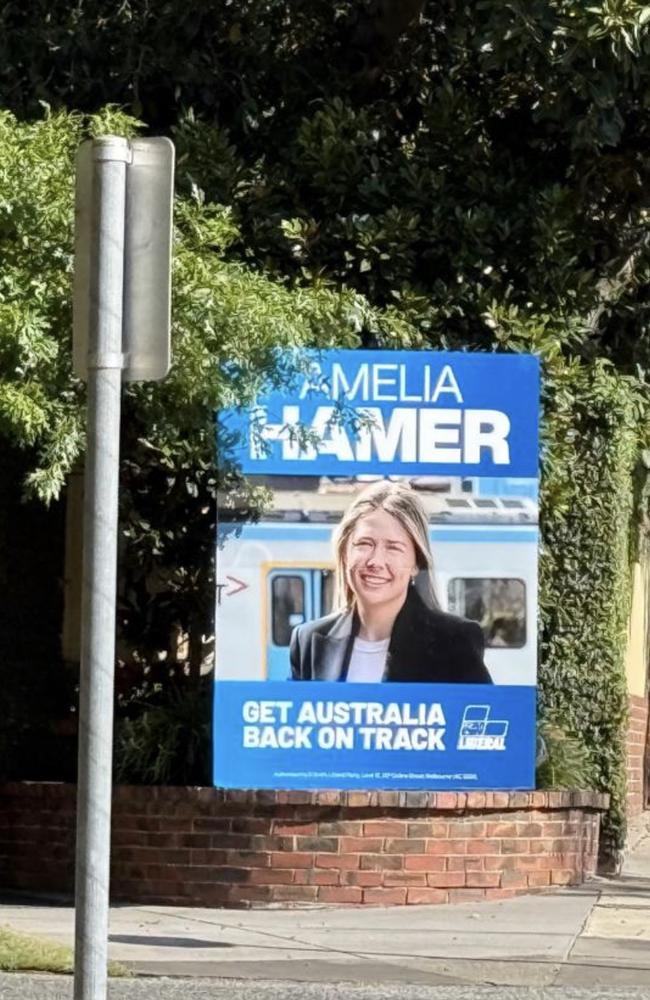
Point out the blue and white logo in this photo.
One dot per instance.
(479, 732)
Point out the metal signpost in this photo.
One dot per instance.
(121, 332)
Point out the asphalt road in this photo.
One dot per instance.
(22, 987)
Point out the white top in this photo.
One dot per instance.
(367, 661)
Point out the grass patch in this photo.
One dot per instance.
(26, 953)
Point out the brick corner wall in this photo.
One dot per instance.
(211, 847)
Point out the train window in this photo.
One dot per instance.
(496, 603)
(287, 601)
(326, 591)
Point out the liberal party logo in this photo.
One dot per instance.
(479, 732)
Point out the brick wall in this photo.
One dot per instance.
(637, 750)
(209, 847)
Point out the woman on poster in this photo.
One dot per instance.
(388, 626)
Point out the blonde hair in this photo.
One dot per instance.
(400, 500)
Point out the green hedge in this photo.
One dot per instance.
(596, 420)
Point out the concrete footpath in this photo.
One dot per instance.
(596, 935)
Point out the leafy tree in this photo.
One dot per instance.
(470, 166)
(386, 172)
(222, 310)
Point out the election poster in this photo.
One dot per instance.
(394, 571)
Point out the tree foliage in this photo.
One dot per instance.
(452, 161)
(394, 172)
(596, 421)
(223, 310)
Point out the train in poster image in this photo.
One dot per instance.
(278, 573)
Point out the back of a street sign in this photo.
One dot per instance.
(122, 304)
(146, 315)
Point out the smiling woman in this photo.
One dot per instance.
(388, 626)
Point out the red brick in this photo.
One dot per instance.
(155, 839)
(514, 846)
(530, 830)
(541, 846)
(236, 841)
(190, 839)
(446, 847)
(328, 876)
(270, 876)
(384, 828)
(514, 880)
(446, 880)
(208, 856)
(392, 879)
(360, 800)
(319, 844)
(259, 842)
(360, 845)
(135, 838)
(475, 862)
(206, 823)
(427, 829)
(536, 862)
(486, 880)
(291, 859)
(369, 880)
(251, 824)
(483, 846)
(564, 877)
(539, 878)
(381, 862)
(385, 897)
(423, 863)
(500, 862)
(461, 863)
(552, 828)
(295, 893)
(341, 828)
(338, 860)
(249, 859)
(426, 896)
(447, 800)
(285, 828)
(328, 797)
(340, 894)
(466, 828)
(388, 800)
(405, 846)
(500, 800)
(519, 800)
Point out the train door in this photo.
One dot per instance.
(293, 596)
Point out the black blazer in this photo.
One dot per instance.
(426, 646)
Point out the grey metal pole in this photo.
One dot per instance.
(110, 157)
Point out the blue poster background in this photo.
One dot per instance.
(406, 390)
(377, 413)
(495, 725)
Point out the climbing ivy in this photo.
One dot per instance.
(596, 422)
